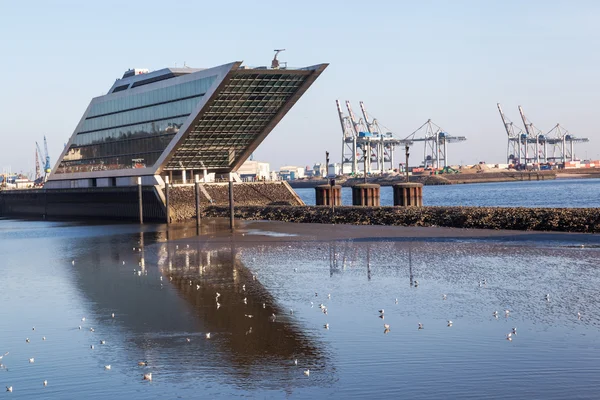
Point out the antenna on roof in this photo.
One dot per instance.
(275, 62)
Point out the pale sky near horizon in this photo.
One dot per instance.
(450, 61)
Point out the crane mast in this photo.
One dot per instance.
(366, 148)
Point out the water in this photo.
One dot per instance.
(117, 269)
(557, 193)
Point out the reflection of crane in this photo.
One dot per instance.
(275, 62)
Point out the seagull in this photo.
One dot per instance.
(443, 297)
(139, 273)
(316, 294)
(547, 297)
(31, 360)
(321, 306)
(509, 336)
(307, 373)
(9, 388)
(295, 269)
(506, 313)
(273, 317)
(112, 315)
(45, 382)
(416, 283)
(83, 319)
(325, 310)
(449, 323)
(578, 315)
(107, 367)
(311, 304)
(296, 361)
(245, 301)
(329, 295)
(208, 335)
(291, 311)
(161, 278)
(33, 329)
(381, 311)
(27, 340)
(147, 377)
(73, 262)
(218, 295)
(386, 326)
(143, 363)
(244, 287)
(218, 305)
(2, 356)
(123, 262)
(495, 314)
(396, 301)
(92, 330)
(264, 305)
(79, 327)
(326, 326)
(248, 315)
(197, 287)
(420, 325)
(187, 246)
(103, 342)
(188, 340)
(514, 331)
(43, 337)
(92, 347)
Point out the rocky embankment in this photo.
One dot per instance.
(525, 219)
(182, 199)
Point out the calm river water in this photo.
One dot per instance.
(557, 193)
(164, 298)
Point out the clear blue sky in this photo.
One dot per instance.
(450, 61)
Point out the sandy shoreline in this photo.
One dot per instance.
(255, 232)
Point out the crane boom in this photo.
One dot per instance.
(364, 113)
(506, 124)
(47, 166)
(341, 115)
(529, 133)
(352, 118)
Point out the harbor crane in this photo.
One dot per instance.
(38, 158)
(42, 158)
(47, 166)
(531, 146)
(275, 62)
(536, 141)
(516, 138)
(563, 144)
(366, 138)
(363, 140)
(436, 141)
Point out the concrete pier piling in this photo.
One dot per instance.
(168, 209)
(408, 194)
(327, 195)
(366, 194)
(197, 195)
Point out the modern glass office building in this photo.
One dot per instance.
(177, 122)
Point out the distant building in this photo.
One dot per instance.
(334, 169)
(319, 170)
(290, 173)
(254, 171)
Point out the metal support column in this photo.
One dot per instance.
(197, 185)
(168, 211)
(140, 202)
(231, 209)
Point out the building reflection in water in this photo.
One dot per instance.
(155, 316)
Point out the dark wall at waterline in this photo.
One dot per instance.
(111, 203)
(535, 219)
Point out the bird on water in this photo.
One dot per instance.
(147, 377)
(9, 389)
(307, 373)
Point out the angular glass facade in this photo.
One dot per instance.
(152, 121)
(239, 113)
(132, 131)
